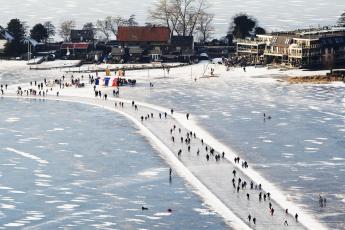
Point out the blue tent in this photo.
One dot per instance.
(106, 81)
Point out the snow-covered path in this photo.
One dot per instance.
(212, 179)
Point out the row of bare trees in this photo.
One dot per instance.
(106, 27)
(184, 17)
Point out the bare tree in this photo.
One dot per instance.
(104, 27)
(181, 16)
(115, 23)
(65, 29)
(163, 13)
(205, 27)
(341, 20)
(109, 26)
(131, 21)
(50, 29)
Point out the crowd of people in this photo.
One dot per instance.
(177, 135)
(188, 138)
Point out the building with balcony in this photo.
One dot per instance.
(252, 49)
(314, 48)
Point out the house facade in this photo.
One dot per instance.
(252, 49)
(149, 41)
(77, 50)
(296, 49)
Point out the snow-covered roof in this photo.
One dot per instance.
(5, 35)
(30, 40)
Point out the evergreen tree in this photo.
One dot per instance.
(16, 47)
(39, 33)
(260, 30)
(242, 26)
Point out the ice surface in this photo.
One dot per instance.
(300, 112)
(96, 191)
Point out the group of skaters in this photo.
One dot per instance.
(36, 89)
(2, 88)
(238, 183)
(322, 201)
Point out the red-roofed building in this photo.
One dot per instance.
(76, 50)
(154, 41)
(146, 34)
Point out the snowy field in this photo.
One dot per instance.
(90, 171)
(299, 150)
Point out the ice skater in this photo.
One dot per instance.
(179, 152)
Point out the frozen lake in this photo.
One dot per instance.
(301, 149)
(272, 15)
(67, 165)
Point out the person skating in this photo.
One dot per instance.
(272, 211)
(179, 152)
